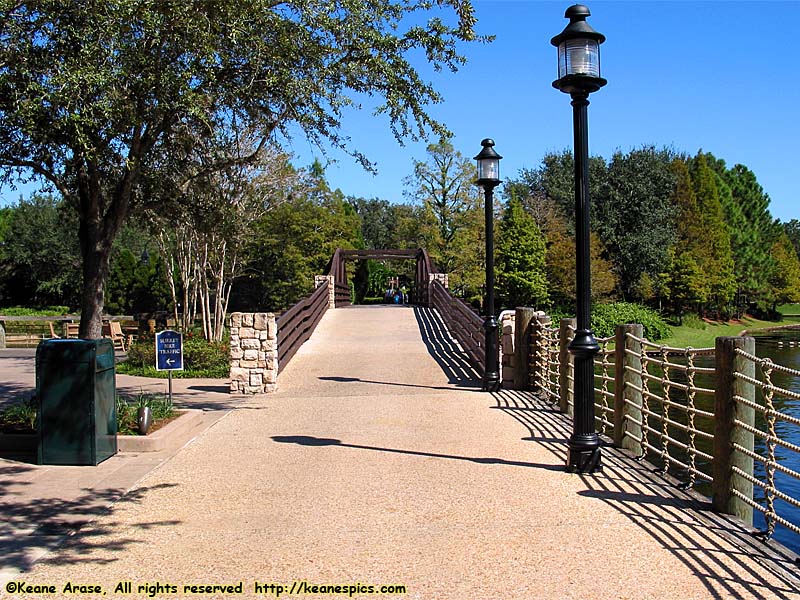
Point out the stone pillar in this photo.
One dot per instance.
(329, 281)
(254, 353)
(442, 278)
(507, 323)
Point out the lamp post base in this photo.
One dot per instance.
(583, 459)
(491, 382)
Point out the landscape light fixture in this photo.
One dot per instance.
(579, 75)
(488, 179)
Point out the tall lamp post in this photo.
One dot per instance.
(579, 75)
(488, 179)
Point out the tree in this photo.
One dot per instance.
(100, 98)
(293, 243)
(207, 252)
(750, 226)
(521, 277)
(785, 280)
(560, 252)
(792, 230)
(40, 261)
(378, 222)
(634, 216)
(714, 252)
(444, 186)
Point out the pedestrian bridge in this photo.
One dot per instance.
(430, 356)
(392, 461)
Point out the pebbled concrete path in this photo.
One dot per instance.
(378, 462)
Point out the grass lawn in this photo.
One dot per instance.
(702, 334)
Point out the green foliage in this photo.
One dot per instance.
(40, 262)
(127, 410)
(135, 286)
(121, 104)
(20, 416)
(785, 280)
(521, 277)
(201, 358)
(47, 311)
(714, 254)
(290, 245)
(605, 318)
(792, 229)
(452, 220)
(633, 215)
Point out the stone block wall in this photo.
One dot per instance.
(329, 281)
(254, 353)
(442, 278)
(507, 325)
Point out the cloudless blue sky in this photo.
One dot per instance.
(721, 76)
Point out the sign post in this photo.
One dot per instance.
(169, 354)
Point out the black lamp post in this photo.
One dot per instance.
(488, 179)
(579, 75)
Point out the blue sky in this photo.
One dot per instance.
(721, 76)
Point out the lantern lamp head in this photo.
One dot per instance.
(578, 54)
(488, 164)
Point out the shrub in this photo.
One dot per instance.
(200, 358)
(22, 311)
(21, 415)
(605, 318)
(127, 410)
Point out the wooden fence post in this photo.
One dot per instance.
(522, 326)
(627, 383)
(726, 433)
(566, 366)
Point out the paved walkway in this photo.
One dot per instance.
(379, 463)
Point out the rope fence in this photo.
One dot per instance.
(715, 420)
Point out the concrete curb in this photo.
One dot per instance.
(171, 434)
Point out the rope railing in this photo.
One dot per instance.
(545, 358)
(692, 412)
(770, 475)
(670, 433)
(604, 374)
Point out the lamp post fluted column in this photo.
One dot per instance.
(488, 179)
(579, 75)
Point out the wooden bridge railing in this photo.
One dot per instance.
(463, 323)
(342, 294)
(297, 324)
(263, 344)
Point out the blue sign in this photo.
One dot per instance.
(169, 351)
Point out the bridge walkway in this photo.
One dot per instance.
(379, 462)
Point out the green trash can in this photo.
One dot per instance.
(76, 390)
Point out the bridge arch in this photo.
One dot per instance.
(425, 269)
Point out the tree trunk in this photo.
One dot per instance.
(95, 272)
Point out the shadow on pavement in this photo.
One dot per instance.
(681, 522)
(303, 440)
(445, 350)
(32, 527)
